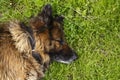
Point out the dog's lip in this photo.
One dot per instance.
(66, 61)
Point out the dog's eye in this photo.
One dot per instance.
(60, 41)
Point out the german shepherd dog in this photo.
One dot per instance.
(49, 36)
(26, 51)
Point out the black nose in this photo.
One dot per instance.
(74, 57)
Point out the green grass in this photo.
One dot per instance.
(92, 28)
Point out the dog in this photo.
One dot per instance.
(48, 32)
(26, 51)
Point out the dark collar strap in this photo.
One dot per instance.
(37, 57)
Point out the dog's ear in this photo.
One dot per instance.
(36, 23)
(43, 19)
(46, 14)
(59, 18)
(58, 21)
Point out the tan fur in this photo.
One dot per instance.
(16, 61)
(20, 37)
(42, 45)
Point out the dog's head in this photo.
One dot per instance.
(61, 51)
(50, 36)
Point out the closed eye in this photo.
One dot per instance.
(60, 41)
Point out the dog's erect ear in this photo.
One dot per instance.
(46, 13)
(43, 19)
(37, 23)
(59, 18)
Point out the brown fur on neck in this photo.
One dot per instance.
(16, 62)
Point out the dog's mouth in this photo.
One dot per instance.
(66, 59)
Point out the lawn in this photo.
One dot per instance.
(92, 29)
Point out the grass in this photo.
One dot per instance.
(92, 29)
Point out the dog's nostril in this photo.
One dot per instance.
(75, 57)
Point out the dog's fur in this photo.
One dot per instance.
(16, 61)
(25, 52)
(49, 37)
